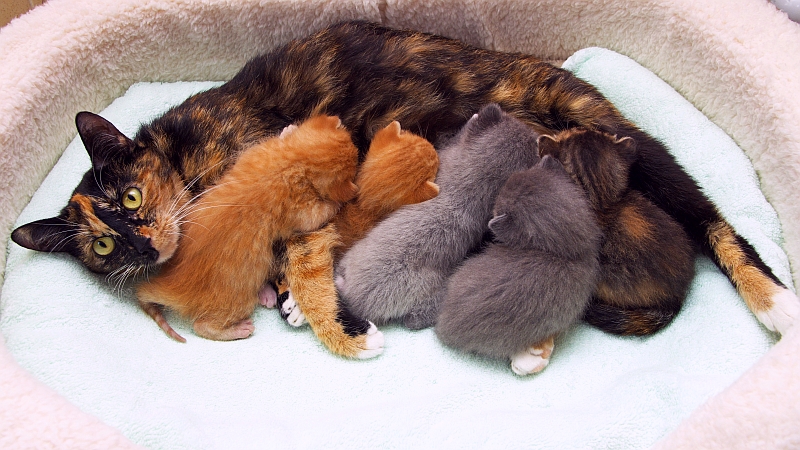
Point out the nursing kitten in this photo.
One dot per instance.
(122, 217)
(292, 183)
(534, 280)
(398, 170)
(646, 259)
(399, 270)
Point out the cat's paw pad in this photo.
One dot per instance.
(784, 313)
(373, 343)
(290, 311)
(533, 359)
(267, 296)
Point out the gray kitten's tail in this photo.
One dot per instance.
(629, 322)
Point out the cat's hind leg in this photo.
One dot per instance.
(534, 358)
(309, 272)
(211, 329)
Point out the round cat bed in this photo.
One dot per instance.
(734, 60)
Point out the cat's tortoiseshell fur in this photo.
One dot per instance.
(646, 259)
(369, 75)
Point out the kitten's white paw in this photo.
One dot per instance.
(295, 316)
(524, 363)
(533, 359)
(374, 342)
(784, 313)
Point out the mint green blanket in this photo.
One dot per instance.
(282, 389)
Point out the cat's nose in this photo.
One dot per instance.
(145, 248)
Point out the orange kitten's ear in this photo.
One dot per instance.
(394, 128)
(343, 192)
(427, 191)
(547, 145)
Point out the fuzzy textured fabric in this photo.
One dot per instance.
(734, 60)
(204, 394)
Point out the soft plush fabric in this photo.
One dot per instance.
(94, 346)
(735, 60)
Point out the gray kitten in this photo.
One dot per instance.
(399, 270)
(535, 281)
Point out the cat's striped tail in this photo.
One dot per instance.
(663, 181)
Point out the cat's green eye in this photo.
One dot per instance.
(132, 199)
(103, 245)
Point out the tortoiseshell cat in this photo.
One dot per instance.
(646, 260)
(287, 184)
(534, 280)
(368, 75)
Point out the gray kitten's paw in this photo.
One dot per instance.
(290, 311)
(533, 359)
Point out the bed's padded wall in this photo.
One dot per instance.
(736, 60)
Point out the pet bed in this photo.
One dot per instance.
(734, 62)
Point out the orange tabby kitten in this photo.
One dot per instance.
(287, 184)
(398, 170)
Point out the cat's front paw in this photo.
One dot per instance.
(533, 359)
(784, 313)
(291, 312)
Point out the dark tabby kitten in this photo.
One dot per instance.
(124, 215)
(646, 259)
(534, 281)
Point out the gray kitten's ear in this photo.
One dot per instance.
(498, 222)
(45, 235)
(488, 116)
(102, 140)
(547, 145)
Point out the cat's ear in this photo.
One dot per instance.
(498, 223)
(547, 146)
(626, 147)
(45, 235)
(101, 138)
(427, 191)
(550, 163)
(488, 116)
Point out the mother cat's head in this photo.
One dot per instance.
(124, 216)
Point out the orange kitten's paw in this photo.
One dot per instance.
(784, 313)
(291, 312)
(534, 359)
(209, 330)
